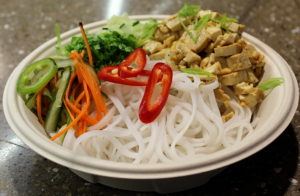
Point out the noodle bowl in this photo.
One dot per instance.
(268, 124)
(189, 126)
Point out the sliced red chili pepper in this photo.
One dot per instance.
(110, 73)
(137, 58)
(161, 74)
(145, 73)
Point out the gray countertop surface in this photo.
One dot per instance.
(24, 25)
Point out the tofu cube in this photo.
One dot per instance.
(238, 62)
(213, 32)
(228, 50)
(152, 47)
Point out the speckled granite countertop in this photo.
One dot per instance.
(24, 25)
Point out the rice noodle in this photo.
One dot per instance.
(189, 126)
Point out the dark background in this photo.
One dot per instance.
(24, 25)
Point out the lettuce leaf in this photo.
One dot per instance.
(128, 27)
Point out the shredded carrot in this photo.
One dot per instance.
(68, 110)
(39, 105)
(89, 119)
(74, 91)
(79, 98)
(80, 115)
(92, 84)
(86, 42)
(84, 127)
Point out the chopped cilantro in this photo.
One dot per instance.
(108, 48)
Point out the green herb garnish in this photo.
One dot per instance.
(108, 48)
(223, 20)
(135, 23)
(270, 83)
(188, 10)
(203, 22)
(196, 71)
(121, 26)
(104, 28)
(59, 49)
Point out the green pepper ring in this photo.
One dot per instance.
(24, 88)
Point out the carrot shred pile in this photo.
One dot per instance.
(82, 96)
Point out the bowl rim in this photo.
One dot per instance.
(60, 155)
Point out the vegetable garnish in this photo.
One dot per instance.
(56, 106)
(196, 71)
(78, 107)
(140, 31)
(70, 105)
(85, 74)
(189, 10)
(202, 22)
(132, 65)
(83, 111)
(270, 83)
(87, 45)
(39, 105)
(108, 48)
(59, 49)
(124, 73)
(161, 74)
(224, 20)
(36, 76)
(110, 73)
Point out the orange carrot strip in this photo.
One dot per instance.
(39, 105)
(95, 89)
(86, 42)
(68, 110)
(80, 115)
(84, 127)
(90, 120)
(74, 90)
(79, 98)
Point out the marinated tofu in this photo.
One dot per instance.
(221, 51)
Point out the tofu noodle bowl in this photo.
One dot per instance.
(150, 93)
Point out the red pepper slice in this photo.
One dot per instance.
(145, 73)
(137, 57)
(110, 73)
(162, 74)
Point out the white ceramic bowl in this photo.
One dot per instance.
(275, 113)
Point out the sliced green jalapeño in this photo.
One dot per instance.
(36, 76)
